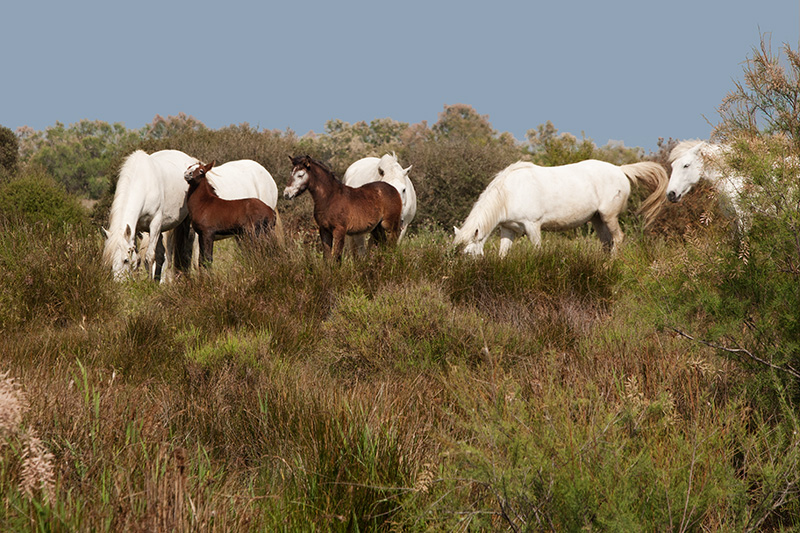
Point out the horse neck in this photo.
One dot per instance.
(201, 189)
(127, 206)
(322, 183)
(486, 213)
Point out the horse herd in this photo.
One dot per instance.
(168, 194)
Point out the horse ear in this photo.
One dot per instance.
(105, 232)
(209, 166)
(127, 232)
(407, 170)
(456, 231)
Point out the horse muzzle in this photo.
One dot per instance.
(672, 197)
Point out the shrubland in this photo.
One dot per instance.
(417, 389)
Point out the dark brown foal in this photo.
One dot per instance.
(340, 210)
(213, 218)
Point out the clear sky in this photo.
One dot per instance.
(627, 70)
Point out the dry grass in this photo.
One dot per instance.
(415, 389)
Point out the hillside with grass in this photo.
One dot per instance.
(416, 389)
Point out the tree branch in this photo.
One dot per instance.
(748, 353)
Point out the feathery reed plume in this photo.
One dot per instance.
(12, 405)
(37, 469)
(37, 472)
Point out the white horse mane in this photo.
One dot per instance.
(115, 237)
(126, 174)
(682, 148)
(489, 207)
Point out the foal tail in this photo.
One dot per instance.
(654, 176)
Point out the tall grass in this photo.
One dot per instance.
(415, 389)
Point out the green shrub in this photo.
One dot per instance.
(34, 197)
(9, 150)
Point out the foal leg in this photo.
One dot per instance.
(206, 241)
(338, 244)
(327, 242)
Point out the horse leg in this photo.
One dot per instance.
(338, 244)
(161, 257)
(507, 237)
(534, 232)
(392, 231)
(608, 230)
(378, 235)
(206, 241)
(182, 243)
(150, 254)
(327, 242)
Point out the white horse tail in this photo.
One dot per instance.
(488, 208)
(655, 177)
(280, 236)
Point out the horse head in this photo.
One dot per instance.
(687, 169)
(301, 174)
(197, 170)
(120, 253)
(391, 172)
(473, 243)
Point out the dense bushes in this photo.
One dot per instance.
(34, 197)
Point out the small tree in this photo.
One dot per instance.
(9, 149)
(759, 281)
(461, 121)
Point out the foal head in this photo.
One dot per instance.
(303, 169)
(197, 171)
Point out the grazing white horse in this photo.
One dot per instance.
(151, 197)
(388, 169)
(525, 199)
(695, 160)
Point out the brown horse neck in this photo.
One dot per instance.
(324, 184)
(200, 190)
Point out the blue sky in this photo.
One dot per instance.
(630, 71)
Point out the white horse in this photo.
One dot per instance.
(387, 169)
(695, 160)
(151, 197)
(525, 199)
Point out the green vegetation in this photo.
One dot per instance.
(558, 389)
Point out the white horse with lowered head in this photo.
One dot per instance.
(694, 160)
(525, 199)
(151, 197)
(388, 169)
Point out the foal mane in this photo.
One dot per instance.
(308, 159)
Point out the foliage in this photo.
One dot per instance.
(181, 124)
(51, 275)
(410, 390)
(767, 101)
(550, 148)
(33, 196)
(80, 156)
(9, 150)
(344, 143)
(758, 285)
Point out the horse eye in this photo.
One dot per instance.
(380, 171)
(686, 165)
